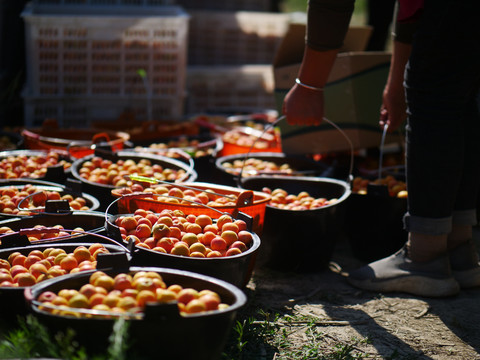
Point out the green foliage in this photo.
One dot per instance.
(32, 340)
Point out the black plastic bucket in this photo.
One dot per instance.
(162, 332)
(56, 172)
(375, 225)
(301, 165)
(71, 187)
(91, 221)
(203, 151)
(236, 269)
(12, 299)
(301, 240)
(103, 191)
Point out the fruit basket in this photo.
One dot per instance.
(30, 197)
(36, 266)
(202, 148)
(191, 241)
(91, 221)
(75, 143)
(374, 217)
(240, 134)
(103, 171)
(160, 328)
(301, 240)
(232, 168)
(223, 199)
(35, 164)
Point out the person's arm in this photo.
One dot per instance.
(327, 25)
(393, 109)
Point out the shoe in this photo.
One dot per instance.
(465, 264)
(398, 273)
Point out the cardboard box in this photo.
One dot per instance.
(353, 94)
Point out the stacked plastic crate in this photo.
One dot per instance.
(230, 55)
(91, 60)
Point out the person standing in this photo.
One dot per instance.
(436, 79)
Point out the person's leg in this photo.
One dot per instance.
(443, 129)
(441, 79)
(463, 253)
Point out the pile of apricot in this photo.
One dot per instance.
(108, 172)
(30, 166)
(191, 146)
(254, 166)
(178, 195)
(12, 196)
(173, 232)
(396, 188)
(20, 270)
(302, 201)
(126, 294)
(42, 232)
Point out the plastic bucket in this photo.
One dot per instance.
(255, 207)
(235, 269)
(55, 170)
(76, 143)
(162, 332)
(91, 221)
(301, 240)
(203, 148)
(12, 300)
(375, 225)
(104, 191)
(299, 165)
(69, 189)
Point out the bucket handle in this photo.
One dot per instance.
(272, 124)
(245, 198)
(239, 215)
(60, 207)
(21, 240)
(179, 151)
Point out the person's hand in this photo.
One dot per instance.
(393, 110)
(303, 106)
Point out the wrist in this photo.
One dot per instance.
(306, 86)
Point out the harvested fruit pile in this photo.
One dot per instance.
(30, 166)
(173, 232)
(192, 146)
(396, 188)
(177, 195)
(108, 172)
(127, 293)
(12, 197)
(255, 166)
(42, 232)
(302, 201)
(20, 270)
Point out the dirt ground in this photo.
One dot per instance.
(398, 326)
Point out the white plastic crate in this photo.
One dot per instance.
(235, 38)
(94, 53)
(102, 2)
(226, 5)
(82, 112)
(227, 88)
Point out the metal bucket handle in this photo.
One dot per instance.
(21, 237)
(239, 215)
(272, 124)
(52, 207)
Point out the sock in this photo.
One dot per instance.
(423, 247)
(459, 235)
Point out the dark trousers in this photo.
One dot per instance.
(443, 128)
